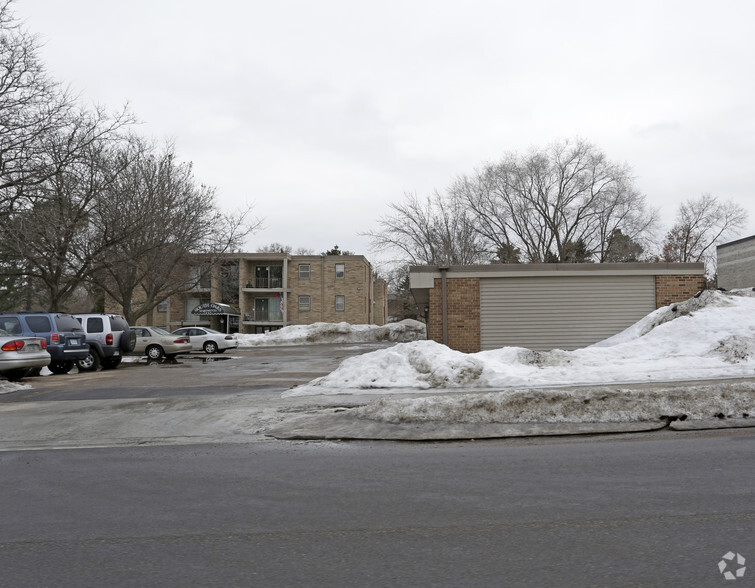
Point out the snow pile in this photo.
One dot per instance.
(709, 336)
(7, 386)
(406, 330)
(569, 406)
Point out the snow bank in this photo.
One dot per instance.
(6, 386)
(568, 406)
(406, 330)
(709, 336)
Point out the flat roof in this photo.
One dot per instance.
(737, 242)
(530, 269)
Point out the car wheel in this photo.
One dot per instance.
(210, 347)
(60, 366)
(154, 352)
(17, 374)
(90, 363)
(127, 341)
(111, 363)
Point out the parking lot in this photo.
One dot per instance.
(198, 398)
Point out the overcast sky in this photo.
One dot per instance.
(321, 113)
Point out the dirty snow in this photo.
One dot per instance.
(707, 337)
(6, 386)
(406, 330)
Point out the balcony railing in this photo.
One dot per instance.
(265, 283)
(264, 316)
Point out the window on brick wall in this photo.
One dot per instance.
(340, 270)
(340, 303)
(304, 303)
(304, 271)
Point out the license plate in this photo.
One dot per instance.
(117, 352)
(73, 341)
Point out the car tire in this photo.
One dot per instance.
(16, 374)
(90, 363)
(154, 352)
(128, 341)
(110, 363)
(210, 347)
(60, 366)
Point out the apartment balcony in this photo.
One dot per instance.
(261, 284)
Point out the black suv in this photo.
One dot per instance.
(109, 337)
(63, 333)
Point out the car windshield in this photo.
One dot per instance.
(4, 333)
(159, 331)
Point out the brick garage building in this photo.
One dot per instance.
(545, 306)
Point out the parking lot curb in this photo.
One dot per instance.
(343, 426)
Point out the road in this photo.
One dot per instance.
(231, 507)
(636, 511)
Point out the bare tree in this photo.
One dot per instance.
(35, 111)
(436, 230)
(275, 247)
(562, 203)
(548, 200)
(163, 223)
(47, 235)
(701, 224)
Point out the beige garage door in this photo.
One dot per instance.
(545, 313)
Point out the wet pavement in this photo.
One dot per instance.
(236, 398)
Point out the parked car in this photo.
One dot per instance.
(209, 340)
(156, 343)
(109, 337)
(62, 333)
(19, 355)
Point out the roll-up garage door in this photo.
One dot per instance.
(565, 312)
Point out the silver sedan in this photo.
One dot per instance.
(209, 340)
(19, 355)
(157, 343)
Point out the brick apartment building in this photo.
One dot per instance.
(258, 292)
(545, 306)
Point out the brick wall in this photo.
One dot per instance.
(323, 286)
(463, 308)
(677, 288)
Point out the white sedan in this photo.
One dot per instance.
(209, 340)
(157, 343)
(19, 355)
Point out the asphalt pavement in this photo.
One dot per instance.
(236, 398)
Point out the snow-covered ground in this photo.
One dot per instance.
(406, 330)
(710, 336)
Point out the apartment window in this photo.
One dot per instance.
(340, 270)
(304, 303)
(340, 303)
(304, 271)
(162, 306)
